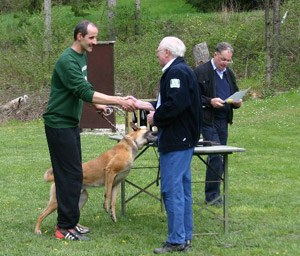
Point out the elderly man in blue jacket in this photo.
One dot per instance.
(177, 113)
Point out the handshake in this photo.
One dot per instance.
(133, 104)
(130, 104)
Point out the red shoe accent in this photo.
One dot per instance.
(61, 234)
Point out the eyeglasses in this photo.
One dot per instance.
(226, 61)
(157, 51)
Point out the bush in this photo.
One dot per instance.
(218, 5)
(137, 69)
(24, 64)
(236, 29)
(289, 65)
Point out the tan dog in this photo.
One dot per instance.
(109, 169)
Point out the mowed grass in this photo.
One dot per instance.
(264, 188)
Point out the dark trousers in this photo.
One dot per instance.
(217, 132)
(65, 153)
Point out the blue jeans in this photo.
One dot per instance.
(177, 194)
(217, 132)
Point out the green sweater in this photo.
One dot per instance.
(69, 88)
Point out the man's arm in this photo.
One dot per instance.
(126, 102)
(144, 105)
(139, 104)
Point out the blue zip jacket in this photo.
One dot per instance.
(179, 117)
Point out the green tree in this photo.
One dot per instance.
(218, 5)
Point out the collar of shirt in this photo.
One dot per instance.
(163, 70)
(220, 73)
(167, 65)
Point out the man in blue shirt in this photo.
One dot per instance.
(217, 82)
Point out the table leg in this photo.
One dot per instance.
(225, 193)
(123, 197)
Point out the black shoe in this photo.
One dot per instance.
(69, 234)
(188, 245)
(167, 247)
(216, 203)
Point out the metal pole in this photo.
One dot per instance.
(225, 188)
(123, 203)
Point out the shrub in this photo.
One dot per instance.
(289, 65)
(137, 69)
(26, 65)
(218, 5)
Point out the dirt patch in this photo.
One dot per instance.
(120, 131)
(33, 108)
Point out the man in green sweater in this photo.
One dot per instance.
(69, 88)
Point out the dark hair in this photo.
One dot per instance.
(82, 28)
(223, 47)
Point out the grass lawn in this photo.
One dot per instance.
(264, 188)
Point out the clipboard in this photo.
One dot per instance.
(237, 96)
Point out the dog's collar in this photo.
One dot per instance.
(131, 140)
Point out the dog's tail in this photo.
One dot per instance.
(48, 176)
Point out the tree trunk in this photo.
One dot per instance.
(137, 17)
(276, 33)
(47, 32)
(111, 13)
(201, 53)
(268, 42)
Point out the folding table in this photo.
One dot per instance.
(224, 151)
(199, 152)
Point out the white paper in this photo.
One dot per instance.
(237, 96)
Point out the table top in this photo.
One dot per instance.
(199, 150)
(217, 149)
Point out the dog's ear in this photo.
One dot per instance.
(133, 126)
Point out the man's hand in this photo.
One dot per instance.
(130, 97)
(238, 104)
(100, 107)
(217, 102)
(150, 118)
(128, 103)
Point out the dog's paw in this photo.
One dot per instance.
(105, 208)
(114, 219)
(38, 232)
